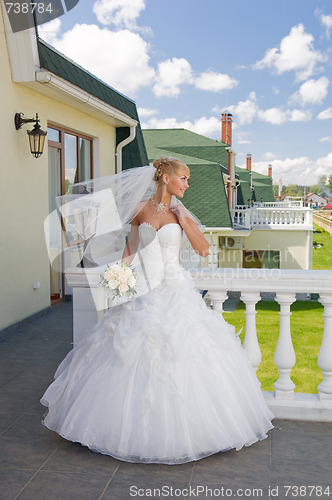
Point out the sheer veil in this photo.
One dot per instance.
(100, 211)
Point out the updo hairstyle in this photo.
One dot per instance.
(168, 165)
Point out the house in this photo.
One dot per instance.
(244, 225)
(92, 130)
(315, 200)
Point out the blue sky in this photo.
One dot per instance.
(186, 61)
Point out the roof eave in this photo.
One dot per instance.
(53, 85)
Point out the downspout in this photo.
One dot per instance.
(121, 145)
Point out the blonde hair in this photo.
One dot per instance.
(168, 165)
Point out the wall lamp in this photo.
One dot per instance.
(36, 135)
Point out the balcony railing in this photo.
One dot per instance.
(280, 204)
(277, 217)
(89, 304)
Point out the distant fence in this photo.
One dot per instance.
(323, 221)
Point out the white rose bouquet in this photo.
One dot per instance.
(119, 280)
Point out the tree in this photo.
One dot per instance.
(329, 182)
(314, 189)
(322, 180)
(293, 190)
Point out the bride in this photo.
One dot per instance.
(161, 378)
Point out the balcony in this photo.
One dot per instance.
(89, 305)
(274, 215)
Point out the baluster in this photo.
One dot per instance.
(325, 353)
(284, 356)
(218, 298)
(248, 218)
(282, 217)
(250, 343)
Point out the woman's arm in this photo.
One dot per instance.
(132, 244)
(194, 235)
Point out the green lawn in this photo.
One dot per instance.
(307, 324)
(322, 257)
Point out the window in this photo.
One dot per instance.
(76, 155)
(261, 259)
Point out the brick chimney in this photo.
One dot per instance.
(269, 171)
(249, 162)
(226, 128)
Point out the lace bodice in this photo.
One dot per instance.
(159, 251)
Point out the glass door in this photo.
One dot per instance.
(70, 160)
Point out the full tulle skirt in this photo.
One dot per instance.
(163, 379)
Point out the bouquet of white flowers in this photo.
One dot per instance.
(119, 280)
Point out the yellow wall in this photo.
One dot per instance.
(292, 245)
(24, 191)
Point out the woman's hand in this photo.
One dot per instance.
(181, 214)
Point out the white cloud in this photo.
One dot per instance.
(326, 114)
(326, 21)
(296, 53)
(50, 31)
(300, 170)
(120, 13)
(298, 115)
(146, 112)
(278, 116)
(171, 74)
(119, 58)
(245, 111)
(209, 127)
(325, 139)
(215, 82)
(312, 91)
(270, 156)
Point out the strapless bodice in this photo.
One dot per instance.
(159, 250)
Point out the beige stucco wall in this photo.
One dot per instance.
(24, 191)
(295, 247)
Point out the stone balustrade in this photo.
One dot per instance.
(89, 304)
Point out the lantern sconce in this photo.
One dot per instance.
(36, 135)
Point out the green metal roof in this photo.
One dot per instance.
(262, 186)
(243, 190)
(206, 197)
(186, 143)
(134, 154)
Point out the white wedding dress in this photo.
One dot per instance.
(161, 378)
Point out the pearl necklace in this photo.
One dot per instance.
(159, 208)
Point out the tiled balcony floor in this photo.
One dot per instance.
(36, 463)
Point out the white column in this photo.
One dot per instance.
(284, 356)
(325, 353)
(218, 298)
(250, 343)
